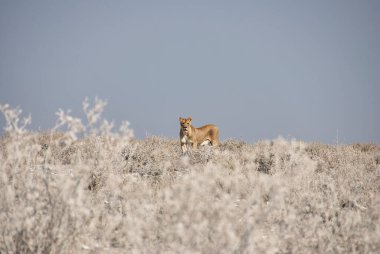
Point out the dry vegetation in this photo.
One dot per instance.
(90, 190)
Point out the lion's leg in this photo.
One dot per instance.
(215, 143)
(184, 147)
(194, 145)
(215, 139)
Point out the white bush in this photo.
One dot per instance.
(86, 188)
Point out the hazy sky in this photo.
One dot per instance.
(258, 69)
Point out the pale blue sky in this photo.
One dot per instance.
(258, 69)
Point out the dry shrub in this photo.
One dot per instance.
(82, 190)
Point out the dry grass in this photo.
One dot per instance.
(109, 194)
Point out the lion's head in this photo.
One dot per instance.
(185, 123)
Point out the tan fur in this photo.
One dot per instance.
(193, 137)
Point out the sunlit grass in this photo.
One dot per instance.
(84, 187)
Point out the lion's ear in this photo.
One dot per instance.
(180, 119)
(190, 119)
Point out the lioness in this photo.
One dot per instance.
(191, 136)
